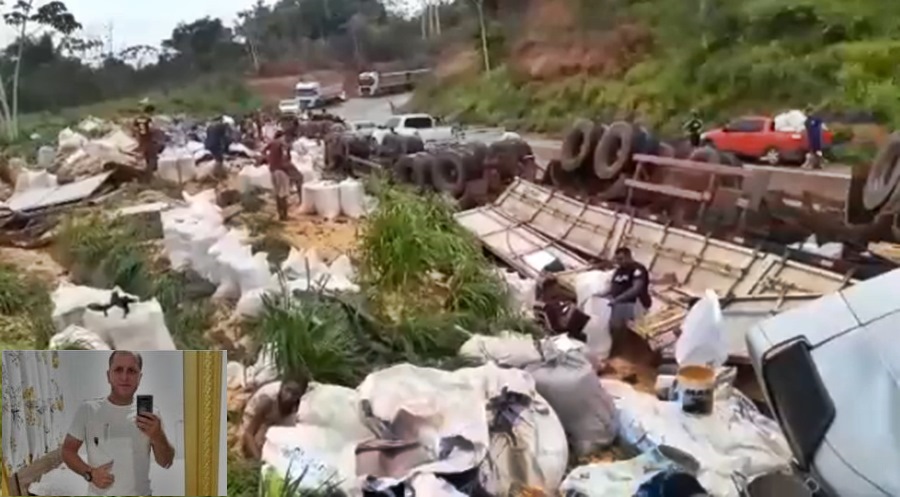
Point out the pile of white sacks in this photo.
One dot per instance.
(142, 328)
(195, 237)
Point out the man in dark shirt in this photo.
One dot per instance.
(813, 125)
(629, 292)
(146, 137)
(693, 127)
(217, 142)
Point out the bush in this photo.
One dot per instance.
(25, 310)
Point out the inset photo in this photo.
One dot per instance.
(135, 423)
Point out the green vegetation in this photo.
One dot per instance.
(426, 286)
(25, 310)
(722, 58)
(105, 252)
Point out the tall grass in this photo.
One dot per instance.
(416, 260)
(25, 310)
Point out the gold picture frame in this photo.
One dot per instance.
(203, 405)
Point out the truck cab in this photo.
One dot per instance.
(830, 371)
(308, 94)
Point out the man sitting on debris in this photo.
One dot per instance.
(146, 137)
(629, 293)
(277, 155)
(274, 404)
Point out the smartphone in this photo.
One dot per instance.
(145, 404)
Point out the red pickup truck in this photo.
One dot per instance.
(755, 138)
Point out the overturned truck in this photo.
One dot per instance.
(624, 165)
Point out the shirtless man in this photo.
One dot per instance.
(274, 404)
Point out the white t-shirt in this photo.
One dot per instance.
(109, 433)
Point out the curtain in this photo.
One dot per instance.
(32, 406)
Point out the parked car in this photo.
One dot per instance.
(755, 138)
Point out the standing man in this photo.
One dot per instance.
(813, 126)
(277, 155)
(274, 404)
(118, 440)
(217, 141)
(694, 126)
(147, 142)
(629, 293)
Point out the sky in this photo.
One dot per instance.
(148, 22)
(142, 22)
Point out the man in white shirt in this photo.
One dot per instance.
(117, 440)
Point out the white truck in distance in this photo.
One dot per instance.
(422, 125)
(374, 83)
(312, 95)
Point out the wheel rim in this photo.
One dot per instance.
(771, 157)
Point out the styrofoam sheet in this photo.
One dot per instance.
(62, 194)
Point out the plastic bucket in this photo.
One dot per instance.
(696, 386)
(780, 484)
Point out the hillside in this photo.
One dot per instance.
(660, 58)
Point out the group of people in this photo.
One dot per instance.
(258, 132)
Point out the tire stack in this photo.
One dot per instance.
(470, 173)
(597, 157)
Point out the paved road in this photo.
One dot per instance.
(378, 110)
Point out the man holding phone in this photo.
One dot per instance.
(118, 434)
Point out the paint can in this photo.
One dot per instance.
(696, 388)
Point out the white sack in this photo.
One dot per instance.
(263, 370)
(70, 303)
(735, 438)
(352, 198)
(235, 374)
(333, 406)
(254, 177)
(69, 141)
(327, 199)
(702, 342)
(342, 268)
(144, 328)
(34, 180)
(45, 156)
(77, 336)
(315, 455)
(587, 285)
(308, 203)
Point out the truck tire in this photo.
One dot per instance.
(884, 175)
(705, 154)
(422, 170)
(411, 144)
(507, 156)
(612, 156)
(577, 145)
(402, 170)
(666, 150)
(451, 171)
(647, 143)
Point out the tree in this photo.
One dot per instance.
(24, 14)
(480, 6)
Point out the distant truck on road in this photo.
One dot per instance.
(312, 95)
(756, 138)
(374, 83)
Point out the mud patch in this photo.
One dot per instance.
(36, 263)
